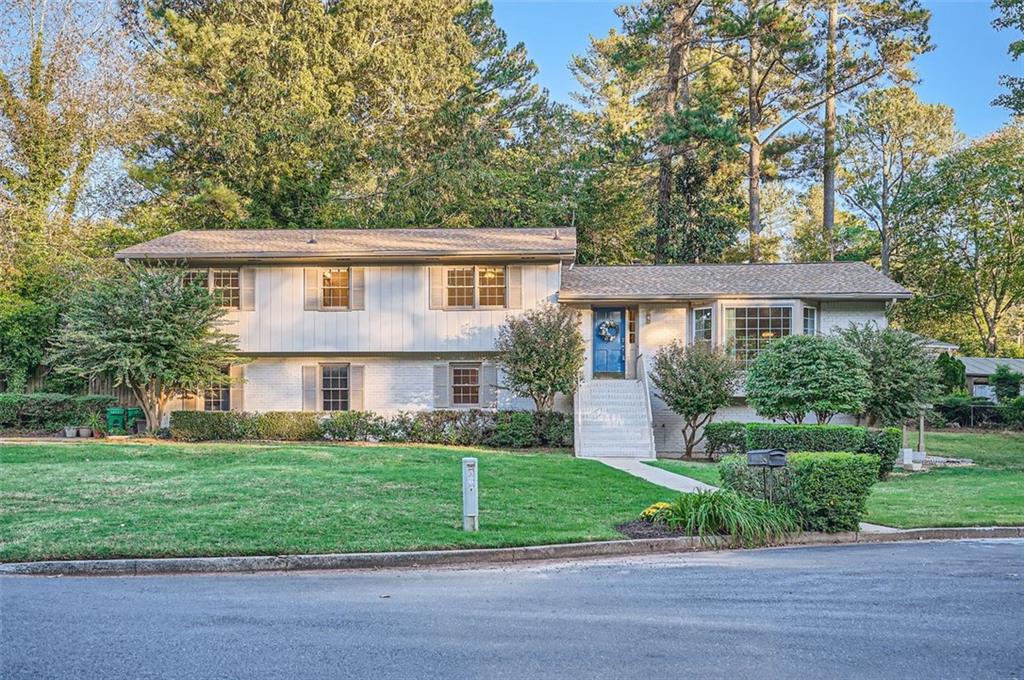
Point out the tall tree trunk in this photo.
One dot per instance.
(885, 229)
(678, 45)
(754, 157)
(828, 212)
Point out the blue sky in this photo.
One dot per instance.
(962, 71)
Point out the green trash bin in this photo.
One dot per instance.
(115, 419)
(131, 415)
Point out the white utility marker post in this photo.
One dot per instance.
(470, 503)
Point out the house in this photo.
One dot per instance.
(406, 319)
(978, 371)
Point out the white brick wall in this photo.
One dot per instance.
(840, 314)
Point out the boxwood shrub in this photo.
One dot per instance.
(829, 491)
(805, 437)
(47, 411)
(885, 444)
(463, 427)
(725, 438)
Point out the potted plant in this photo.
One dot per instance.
(93, 426)
(70, 431)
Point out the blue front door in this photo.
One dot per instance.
(609, 343)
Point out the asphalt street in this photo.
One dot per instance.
(914, 610)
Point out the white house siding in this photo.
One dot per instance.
(390, 383)
(397, 317)
(840, 314)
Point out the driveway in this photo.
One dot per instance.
(914, 610)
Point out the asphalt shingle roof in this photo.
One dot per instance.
(353, 243)
(693, 281)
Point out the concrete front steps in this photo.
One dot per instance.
(613, 420)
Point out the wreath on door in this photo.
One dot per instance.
(608, 330)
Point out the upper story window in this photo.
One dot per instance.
(810, 321)
(334, 387)
(471, 287)
(334, 288)
(703, 328)
(749, 329)
(465, 382)
(224, 284)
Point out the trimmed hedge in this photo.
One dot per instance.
(886, 444)
(725, 438)
(829, 491)
(41, 411)
(472, 427)
(883, 443)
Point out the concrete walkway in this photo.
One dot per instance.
(669, 480)
(677, 482)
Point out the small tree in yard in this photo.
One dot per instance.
(541, 353)
(149, 330)
(695, 382)
(903, 377)
(1005, 383)
(952, 373)
(801, 374)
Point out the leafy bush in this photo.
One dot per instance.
(1005, 383)
(1013, 412)
(725, 438)
(514, 429)
(805, 437)
(694, 381)
(471, 427)
(801, 374)
(886, 444)
(541, 353)
(40, 411)
(901, 373)
(747, 521)
(828, 491)
(958, 408)
(952, 373)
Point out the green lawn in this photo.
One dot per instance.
(991, 493)
(95, 500)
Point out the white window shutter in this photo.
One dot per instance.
(488, 385)
(237, 393)
(441, 398)
(357, 288)
(309, 388)
(515, 287)
(312, 279)
(436, 287)
(247, 289)
(355, 387)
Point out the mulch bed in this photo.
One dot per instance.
(641, 529)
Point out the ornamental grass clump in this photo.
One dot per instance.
(745, 521)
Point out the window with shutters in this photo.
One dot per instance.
(334, 387)
(225, 285)
(334, 288)
(475, 287)
(465, 384)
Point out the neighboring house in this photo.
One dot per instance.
(979, 369)
(406, 319)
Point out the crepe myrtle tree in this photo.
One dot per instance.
(801, 374)
(901, 372)
(541, 353)
(694, 382)
(147, 329)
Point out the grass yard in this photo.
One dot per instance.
(989, 494)
(94, 500)
(702, 472)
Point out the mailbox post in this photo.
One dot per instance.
(470, 502)
(767, 460)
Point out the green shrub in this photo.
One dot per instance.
(1013, 413)
(957, 408)
(295, 426)
(1006, 383)
(46, 411)
(747, 521)
(886, 444)
(202, 426)
(828, 491)
(353, 426)
(554, 429)
(805, 437)
(725, 438)
(514, 429)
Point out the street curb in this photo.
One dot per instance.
(478, 556)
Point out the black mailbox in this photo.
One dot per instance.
(766, 458)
